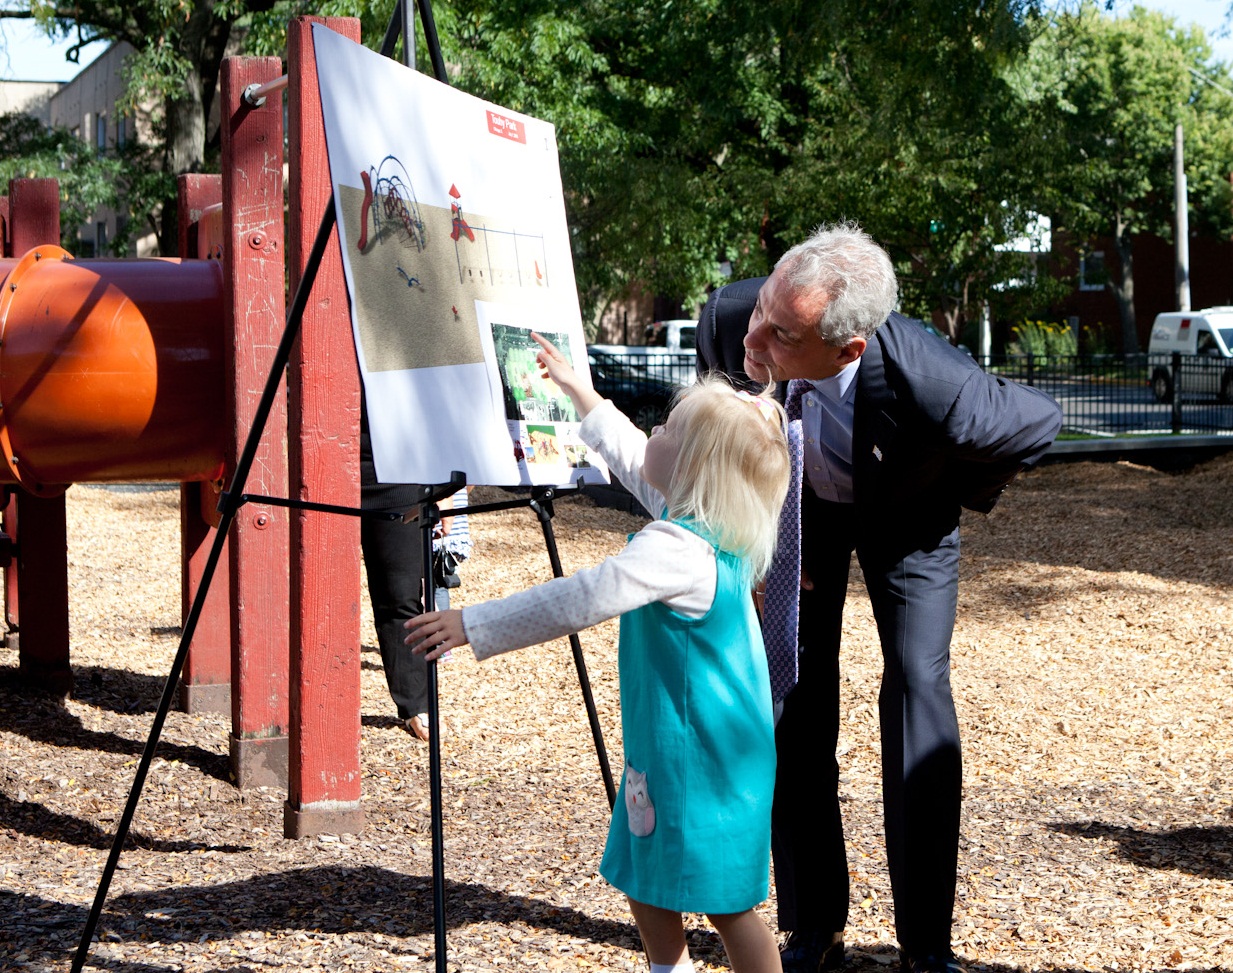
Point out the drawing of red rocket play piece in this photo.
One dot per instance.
(365, 206)
(460, 224)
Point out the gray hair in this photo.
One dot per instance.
(843, 262)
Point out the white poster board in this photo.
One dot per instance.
(455, 247)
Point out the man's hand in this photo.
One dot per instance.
(435, 633)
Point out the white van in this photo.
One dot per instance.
(1207, 335)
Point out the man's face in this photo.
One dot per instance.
(782, 342)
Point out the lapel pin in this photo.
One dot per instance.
(877, 454)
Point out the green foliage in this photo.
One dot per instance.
(28, 150)
(1043, 339)
(178, 49)
(120, 180)
(693, 132)
(1109, 94)
(1048, 340)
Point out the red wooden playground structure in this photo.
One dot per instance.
(125, 370)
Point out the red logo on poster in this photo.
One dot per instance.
(506, 127)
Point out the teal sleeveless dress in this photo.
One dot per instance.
(691, 831)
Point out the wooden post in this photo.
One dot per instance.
(252, 169)
(40, 531)
(323, 394)
(8, 520)
(205, 682)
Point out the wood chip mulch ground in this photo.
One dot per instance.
(1092, 673)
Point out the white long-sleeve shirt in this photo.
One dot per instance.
(662, 562)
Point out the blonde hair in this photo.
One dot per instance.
(731, 473)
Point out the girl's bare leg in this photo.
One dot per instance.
(750, 944)
(663, 933)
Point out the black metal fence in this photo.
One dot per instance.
(1101, 396)
(1141, 395)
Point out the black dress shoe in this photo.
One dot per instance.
(930, 964)
(812, 952)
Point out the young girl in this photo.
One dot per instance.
(691, 828)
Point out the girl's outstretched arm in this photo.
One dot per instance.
(558, 369)
(435, 633)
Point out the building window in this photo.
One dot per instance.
(100, 238)
(1093, 276)
(121, 132)
(100, 133)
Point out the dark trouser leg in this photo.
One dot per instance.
(393, 562)
(914, 602)
(811, 868)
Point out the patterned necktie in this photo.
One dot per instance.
(782, 597)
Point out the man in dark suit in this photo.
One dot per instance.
(899, 431)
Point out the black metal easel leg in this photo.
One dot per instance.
(429, 515)
(542, 505)
(229, 506)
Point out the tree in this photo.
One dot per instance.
(918, 137)
(29, 150)
(179, 47)
(1111, 93)
(696, 132)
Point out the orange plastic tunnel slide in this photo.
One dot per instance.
(110, 370)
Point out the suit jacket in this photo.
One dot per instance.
(931, 428)
(931, 433)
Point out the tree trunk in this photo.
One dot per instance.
(202, 41)
(1125, 290)
(185, 151)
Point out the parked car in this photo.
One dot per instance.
(670, 339)
(640, 395)
(1205, 339)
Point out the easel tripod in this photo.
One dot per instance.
(233, 500)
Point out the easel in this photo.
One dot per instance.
(427, 513)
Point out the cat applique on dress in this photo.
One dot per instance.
(638, 803)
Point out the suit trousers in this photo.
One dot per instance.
(913, 590)
(393, 562)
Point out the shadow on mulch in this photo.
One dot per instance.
(34, 819)
(44, 719)
(1205, 852)
(381, 722)
(321, 901)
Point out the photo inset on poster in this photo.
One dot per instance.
(528, 396)
(576, 456)
(545, 448)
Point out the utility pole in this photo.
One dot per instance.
(1181, 235)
